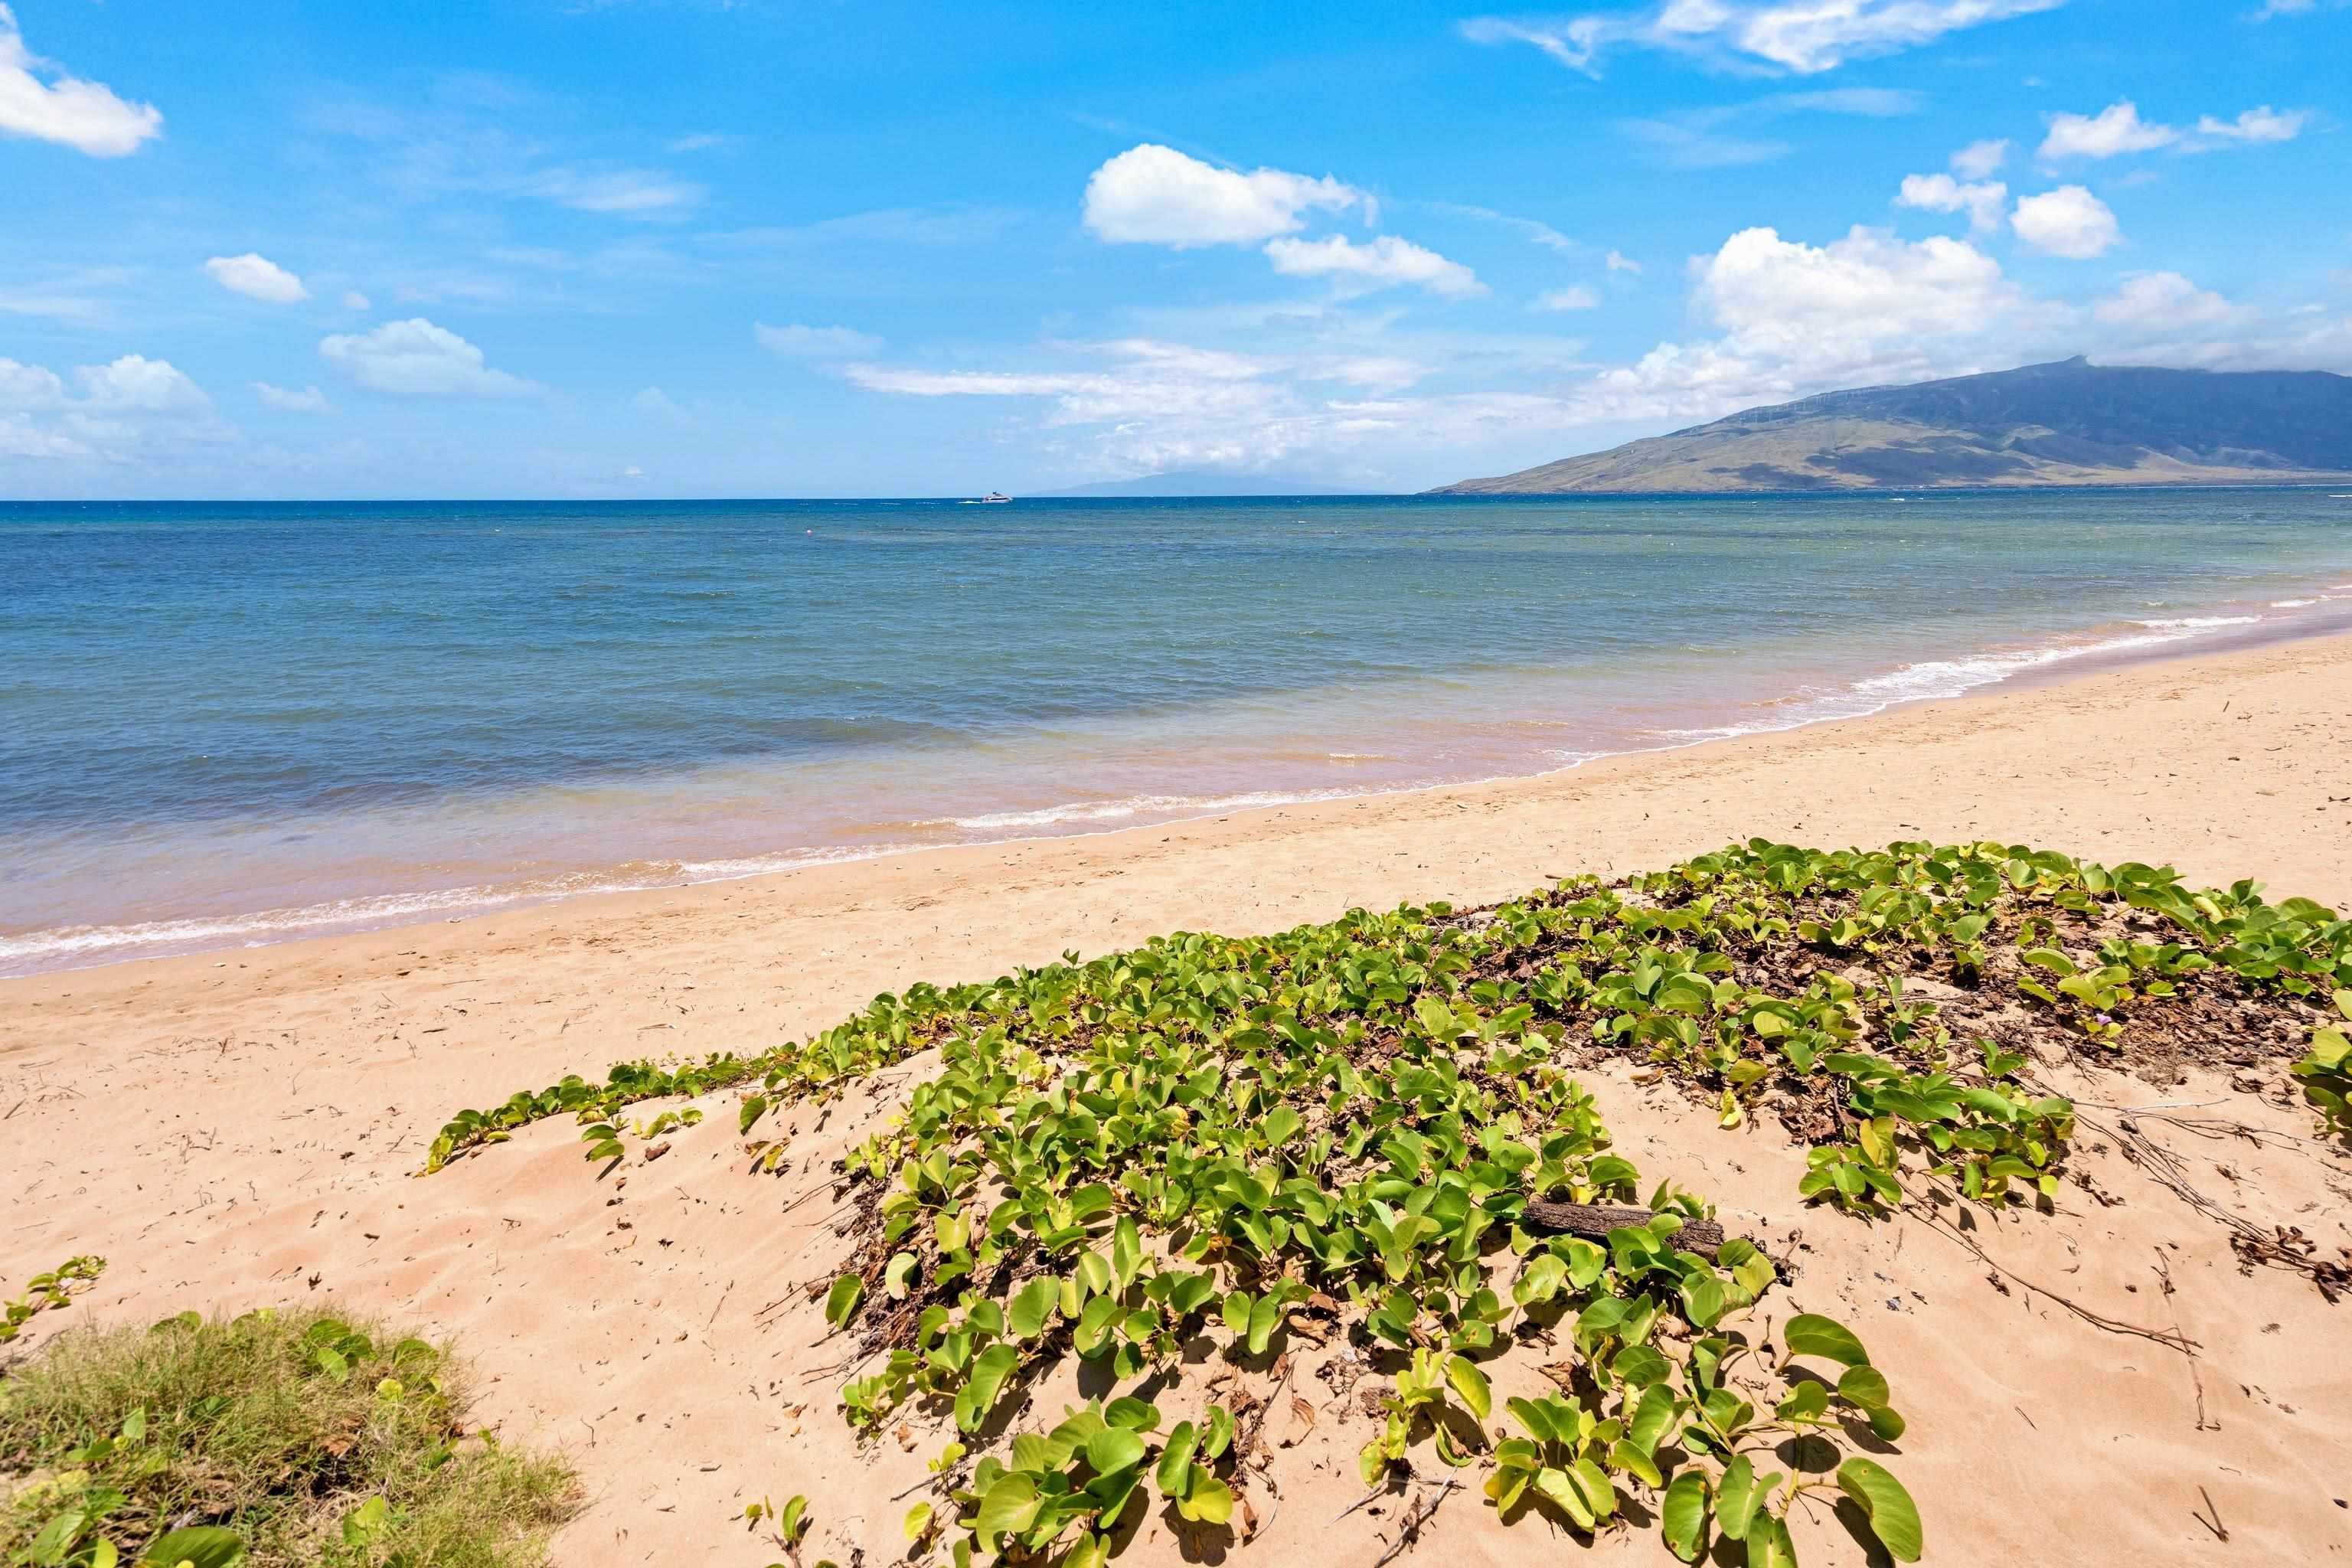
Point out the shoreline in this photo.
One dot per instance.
(1984, 673)
(2016, 700)
(2195, 638)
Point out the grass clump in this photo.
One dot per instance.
(270, 1438)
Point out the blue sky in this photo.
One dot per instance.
(657, 247)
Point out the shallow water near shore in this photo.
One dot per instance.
(222, 724)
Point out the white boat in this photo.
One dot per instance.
(996, 498)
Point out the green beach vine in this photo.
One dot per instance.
(1359, 1132)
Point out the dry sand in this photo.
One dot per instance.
(239, 1129)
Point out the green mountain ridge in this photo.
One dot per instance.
(2067, 423)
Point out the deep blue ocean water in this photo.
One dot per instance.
(224, 722)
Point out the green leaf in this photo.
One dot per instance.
(204, 1545)
(1210, 1501)
(1265, 1317)
(989, 1371)
(1769, 1545)
(919, 1521)
(364, 1522)
(1651, 1417)
(1540, 1281)
(1683, 1515)
(1094, 1323)
(754, 1107)
(1034, 1305)
(1893, 1519)
(1176, 1458)
(1011, 1505)
(895, 1275)
(1810, 1333)
(1554, 1483)
(1865, 1386)
(1470, 1386)
(1114, 1448)
(1736, 1498)
(842, 1300)
(1133, 1413)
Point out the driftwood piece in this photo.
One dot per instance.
(1595, 1221)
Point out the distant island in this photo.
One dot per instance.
(1198, 482)
(2068, 423)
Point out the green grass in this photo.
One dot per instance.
(268, 1439)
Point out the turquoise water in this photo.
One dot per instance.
(226, 723)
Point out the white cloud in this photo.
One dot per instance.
(2069, 222)
(26, 388)
(1151, 195)
(80, 114)
(623, 193)
(1788, 319)
(814, 342)
(2118, 129)
(355, 300)
(112, 412)
(2275, 9)
(1382, 262)
(2167, 302)
(417, 359)
(137, 385)
(257, 277)
(1983, 202)
(1575, 296)
(1979, 159)
(1802, 35)
(309, 400)
(2253, 125)
(1620, 262)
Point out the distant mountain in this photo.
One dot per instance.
(1201, 482)
(2070, 423)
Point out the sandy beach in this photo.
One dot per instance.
(241, 1128)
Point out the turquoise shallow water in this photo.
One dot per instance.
(226, 724)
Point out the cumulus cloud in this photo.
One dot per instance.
(309, 400)
(1977, 160)
(1379, 263)
(111, 411)
(2118, 129)
(355, 300)
(2069, 222)
(65, 109)
(798, 342)
(417, 359)
(1575, 296)
(1151, 195)
(137, 385)
(257, 277)
(2168, 302)
(1802, 35)
(1982, 201)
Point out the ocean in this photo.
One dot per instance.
(223, 724)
